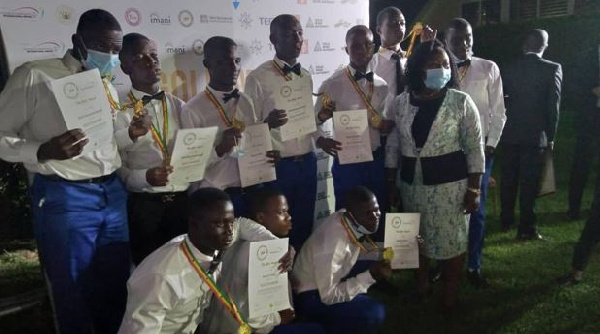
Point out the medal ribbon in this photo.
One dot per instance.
(223, 298)
(280, 70)
(365, 98)
(160, 139)
(228, 122)
(111, 100)
(354, 239)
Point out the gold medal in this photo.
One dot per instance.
(138, 108)
(244, 329)
(376, 121)
(327, 101)
(237, 124)
(388, 254)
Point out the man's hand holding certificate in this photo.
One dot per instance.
(268, 289)
(351, 129)
(401, 231)
(295, 97)
(83, 103)
(192, 150)
(254, 165)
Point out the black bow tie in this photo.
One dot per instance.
(158, 96)
(368, 76)
(296, 69)
(235, 94)
(214, 264)
(362, 239)
(464, 63)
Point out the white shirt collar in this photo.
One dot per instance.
(201, 257)
(387, 53)
(138, 94)
(282, 63)
(353, 70)
(72, 64)
(218, 94)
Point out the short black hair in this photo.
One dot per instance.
(358, 195)
(385, 14)
(415, 65)
(129, 42)
(458, 23)
(282, 21)
(216, 45)
(204, 199)
(356, 29)
(97, 19)
(258, 201)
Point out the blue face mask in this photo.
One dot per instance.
(104, 62)
(437, 78)
(361, 229)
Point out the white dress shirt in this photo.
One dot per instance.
(234, 275)
(342, 92)
(325, 259)
(31, 116)
(261, 85)
(199, 112)
(384, 66)
(144, 154)
(483, 83)
(165, 293)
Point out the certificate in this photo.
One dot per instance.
(295, 97)
(253, 165)
(268, 290)
(193, 148)
(401, 230)
(84, 105)
(351, 128)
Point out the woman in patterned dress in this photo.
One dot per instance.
(438, 144)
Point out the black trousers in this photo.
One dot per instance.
(586, 150)
(520, 173)
(153, 220)
(590, 235)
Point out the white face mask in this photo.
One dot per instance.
(361, 229)
(104, 62)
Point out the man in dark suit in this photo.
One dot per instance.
(532, 86)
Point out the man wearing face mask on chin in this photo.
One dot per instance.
(79, 204)
(439, 145)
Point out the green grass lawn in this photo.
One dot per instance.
(522, 298)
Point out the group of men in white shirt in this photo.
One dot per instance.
(83, 219)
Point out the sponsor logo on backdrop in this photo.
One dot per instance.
(156, 18)
(198, 47)
(23, 13)
(186, 19)
(315, 23)
(329, 2)
(65, 15)
(205, 18)
(256, 47)
(323, 47)
(349, 2)
(46, 47)
(317, 70)
(342, 24)
(265, 21)
(174, 49)
(245, 20)
(322, 195)
(133, 17)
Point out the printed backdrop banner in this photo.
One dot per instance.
(41, 29)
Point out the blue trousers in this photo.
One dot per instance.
(82, 234)
(299, 328)
(239, 197)
(477, 221)
(361, 315)
(297, 180)
(370, 174)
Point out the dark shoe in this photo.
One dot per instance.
(567, 280)
(476, 280)
(530, 237)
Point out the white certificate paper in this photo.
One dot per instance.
(401, 230)
(295, 97)
(191, 152)
(267, 287)
(253, 165)
(84, 105)
(351, 128)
